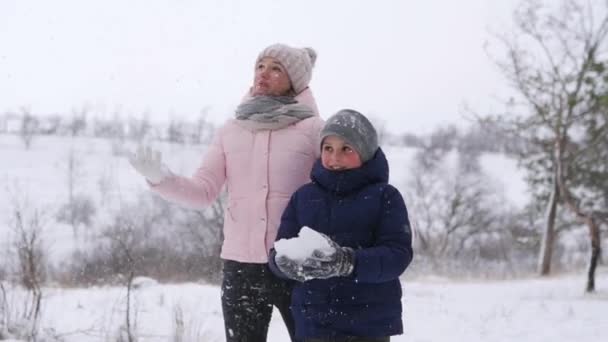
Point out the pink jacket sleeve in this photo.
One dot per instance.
(204, 186)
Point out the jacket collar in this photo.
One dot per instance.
(342, 183)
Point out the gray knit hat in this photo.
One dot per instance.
(297, 62)
(355, 129)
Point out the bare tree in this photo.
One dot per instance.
(138, 129)
(178, 324)
(73, 174)
(206, 232)
(124, 236)
(109, 128)
(78, 122)
(454, 207)
(204, 128)
(29, 126)
(553, 64)
(411, 140)
(27, 224)
(4, 313)
(167, 242)
(176, 131)
(105, 184)
(79, 209)
(51, 125)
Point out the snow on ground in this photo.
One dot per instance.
(552, 309)
(534, 310)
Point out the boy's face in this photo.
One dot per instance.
(337, 154)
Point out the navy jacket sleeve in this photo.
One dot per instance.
(273, 265)
(392, 252)
(288, 229)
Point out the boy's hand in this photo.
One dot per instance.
(322, 264)
(290, 268)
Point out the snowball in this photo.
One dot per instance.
(302, 246)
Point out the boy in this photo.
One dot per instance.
(352, 291)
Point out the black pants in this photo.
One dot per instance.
(249, 291)
(350, 339)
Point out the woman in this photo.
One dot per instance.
(262, 156)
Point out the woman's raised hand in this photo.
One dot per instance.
(148, 163)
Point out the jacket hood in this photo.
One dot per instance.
(344, 182)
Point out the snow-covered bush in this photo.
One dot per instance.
(155, 238)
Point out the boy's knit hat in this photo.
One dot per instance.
(355, 129)
(297, 62)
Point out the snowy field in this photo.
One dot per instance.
(554, 309)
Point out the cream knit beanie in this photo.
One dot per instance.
(298, 63)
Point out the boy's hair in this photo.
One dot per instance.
(355, 129)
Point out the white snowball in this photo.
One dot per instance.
(302, 246)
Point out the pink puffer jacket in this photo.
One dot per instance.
(261, 170)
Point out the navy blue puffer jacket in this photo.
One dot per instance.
(359, 209)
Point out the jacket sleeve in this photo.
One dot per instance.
(289, 228)
(272, 264)
(204, 186)
(392, 251)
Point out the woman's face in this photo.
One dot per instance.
(337, 154)
(270, 79)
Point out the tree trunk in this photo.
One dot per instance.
(587, 218)
(596, 249)
(546, 246)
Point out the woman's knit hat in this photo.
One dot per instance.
(355, 129)
(297, 62)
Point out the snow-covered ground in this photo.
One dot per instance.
(553, 309)
(536, 310)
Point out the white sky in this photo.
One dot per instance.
(410, 63)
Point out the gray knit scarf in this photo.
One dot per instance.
(271, 112)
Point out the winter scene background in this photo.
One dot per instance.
(496, 135)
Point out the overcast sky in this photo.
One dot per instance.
(411, 63)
